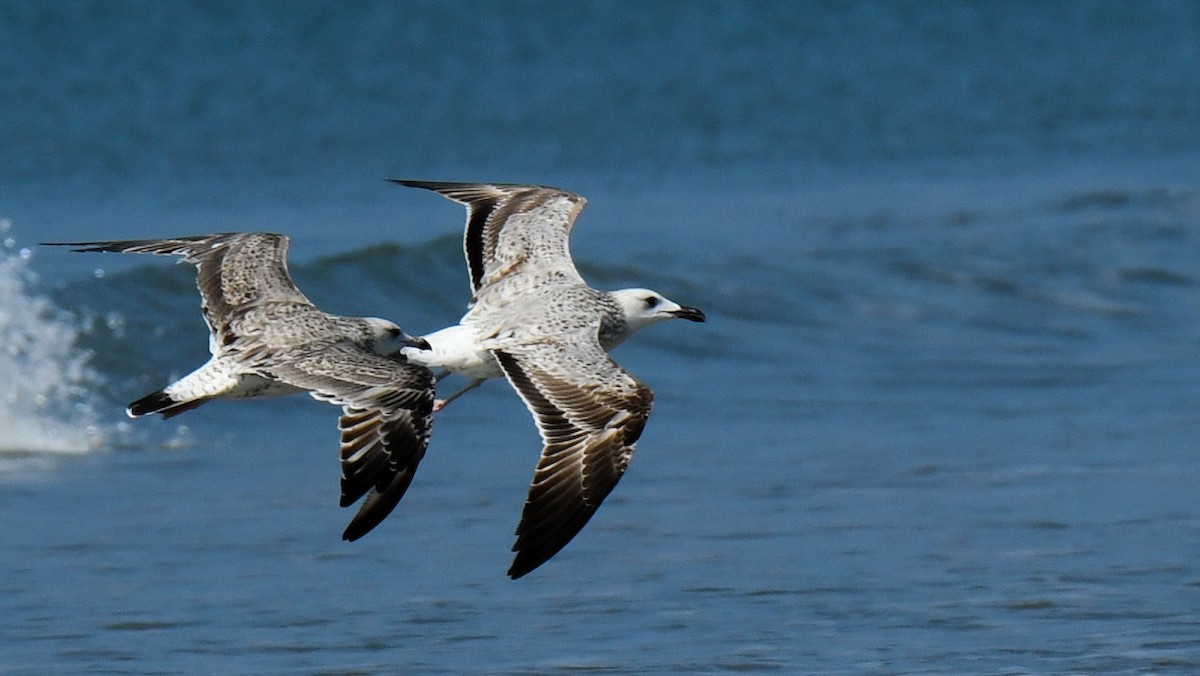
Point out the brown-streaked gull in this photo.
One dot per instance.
(267, 339)
(535, 320)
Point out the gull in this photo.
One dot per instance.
(455, 349)
(534, 319)
(268, 339)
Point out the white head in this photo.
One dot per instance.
(386, 337)
(643, 307)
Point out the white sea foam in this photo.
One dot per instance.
(45, 400)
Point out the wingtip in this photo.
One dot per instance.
(377, 506)
(516, 573)
(360, 525)
(528, 560)
(466, 192)
(414, 183)
(77, 247)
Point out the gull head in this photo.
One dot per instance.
(643, 307)
(386, 337)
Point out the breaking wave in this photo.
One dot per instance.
(46, 405)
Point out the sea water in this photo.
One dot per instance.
(942, 418)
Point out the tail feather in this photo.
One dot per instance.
(217, 378)
(161, 402)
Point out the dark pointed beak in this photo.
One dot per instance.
(419, 343)
(689, 313)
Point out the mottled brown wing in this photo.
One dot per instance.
(387, 416)
(510, 226)
(233, 270)
(590, 413)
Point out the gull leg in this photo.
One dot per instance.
(439, 404)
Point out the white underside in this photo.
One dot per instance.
(219, 379)
(454, 349)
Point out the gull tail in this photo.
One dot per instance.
(214, 379)
(161, 402)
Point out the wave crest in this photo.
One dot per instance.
(45, 403)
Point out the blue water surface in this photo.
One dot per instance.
(942, 418)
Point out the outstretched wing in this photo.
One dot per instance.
(233, 270)
(387, 409)
(590, 413)
(512, 228)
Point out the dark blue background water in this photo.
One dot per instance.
(942, 418)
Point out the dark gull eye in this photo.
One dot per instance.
(393, 331)
(650, 301)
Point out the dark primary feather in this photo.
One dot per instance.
(589, 436)
(490, 206)
(394, 448)
(232, 269)
(385, 427)
(481, 200)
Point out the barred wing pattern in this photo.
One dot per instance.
(387, 417)
(513, 228)
(590, 416)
